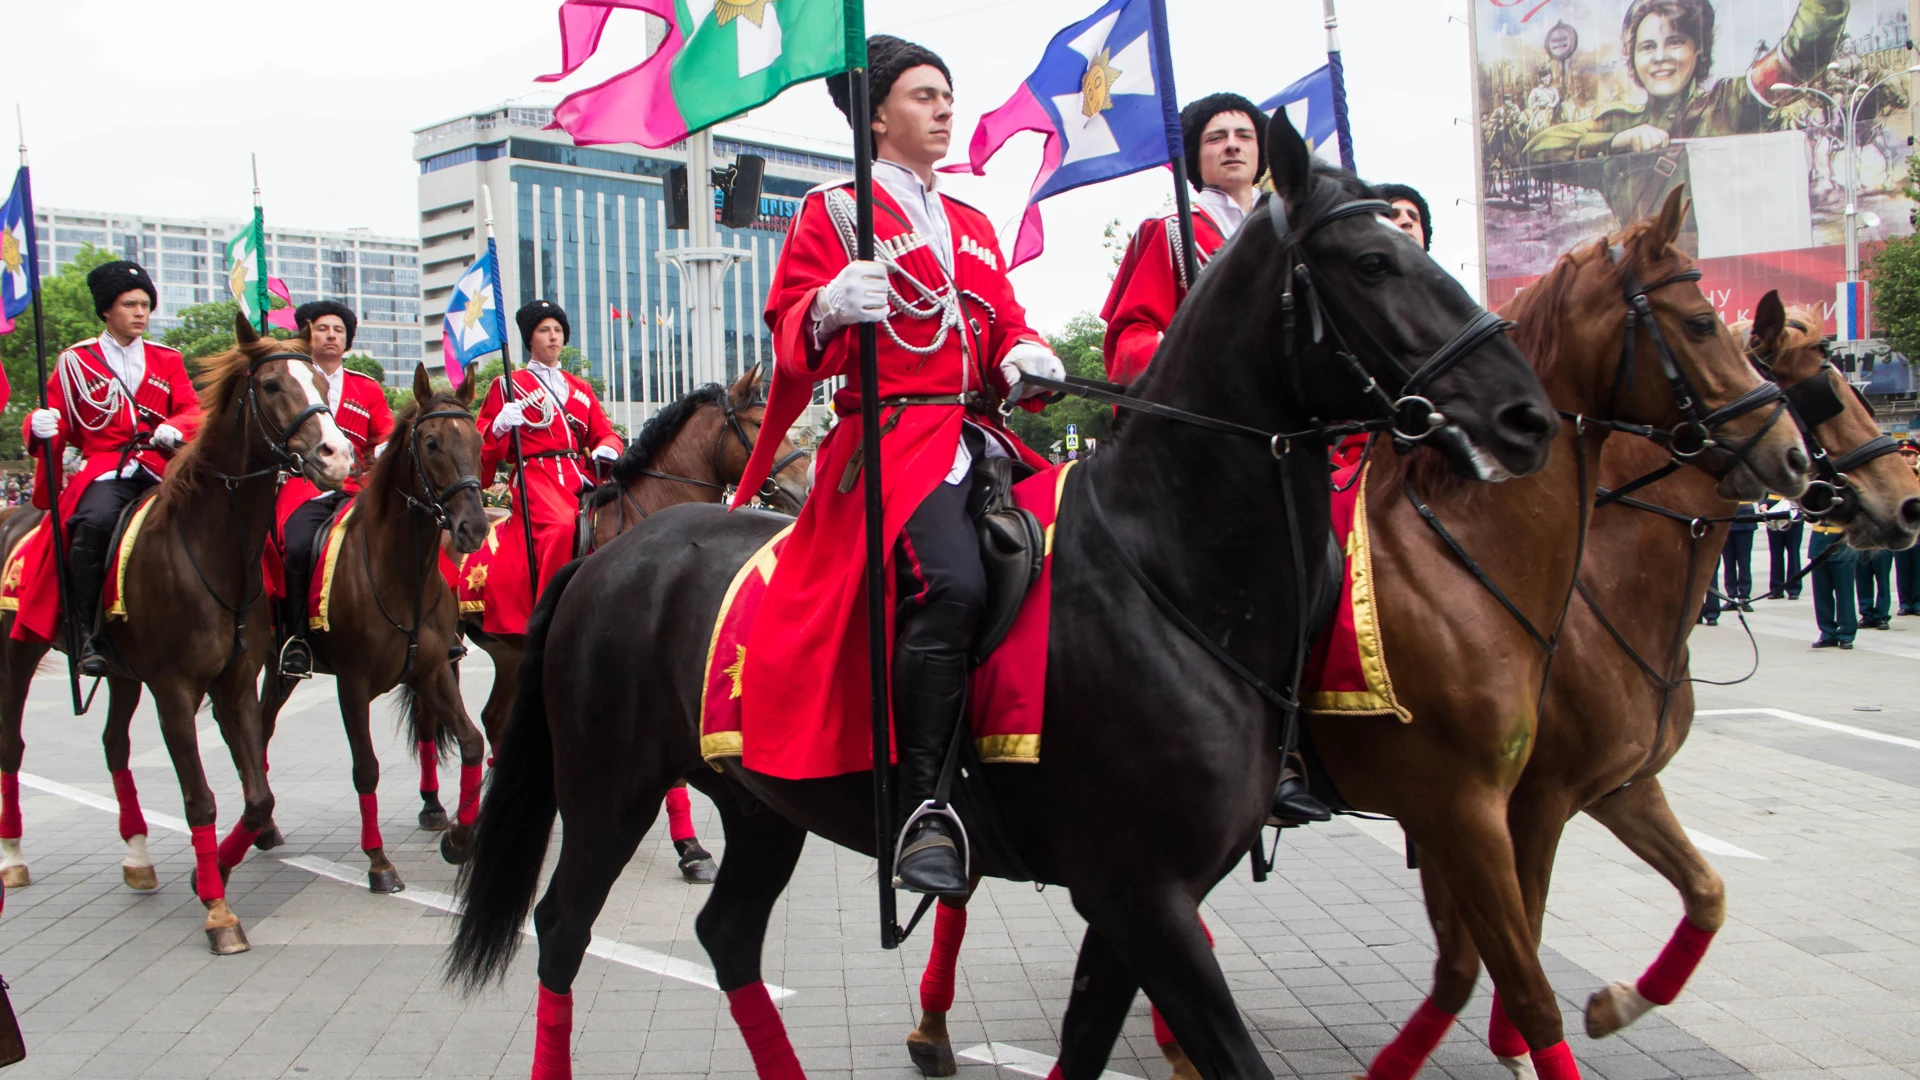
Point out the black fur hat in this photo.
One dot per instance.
(304, 315)
(887, 58)
(1197, 115)
(1394, 192)
(530, 317)
(111, 281)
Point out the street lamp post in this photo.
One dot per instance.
(1850, 120)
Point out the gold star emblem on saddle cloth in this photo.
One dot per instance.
(1096, 86)
(734, 669)
(725, 11)
(477, 577)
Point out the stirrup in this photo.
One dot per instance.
(286, 649)
(931, 809)
(93, 660)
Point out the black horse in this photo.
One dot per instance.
(1316, 312)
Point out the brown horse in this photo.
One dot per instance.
(390, 615)
(1470, 674)
(197, 621)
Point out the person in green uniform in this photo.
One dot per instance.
(1668, 45)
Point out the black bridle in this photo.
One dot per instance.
(768, 489)
(279, 442)
(1813, 402)
(433, 504)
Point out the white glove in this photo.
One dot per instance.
(378, 449)
(511, 415)
(858, 294)
(167, 437)
(605, 453)
(1029, 358)
(46, 423)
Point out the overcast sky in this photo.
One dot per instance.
(153, 108)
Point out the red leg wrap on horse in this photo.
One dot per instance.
(1401, 1059)
(429, 765)
(370, 822)
(1669, 973)
(553, 1036)
(1503, 1038)
(1162, 1034)
(132, 822)
(1055, 1073)
(764, 1032)
(9, 806)
(679, 815)
(949, 930)
(1556, 1062)
(469, 794)
(234, 847)
(206, 864)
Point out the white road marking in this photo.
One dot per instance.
(1025, 1062)
(1715, 846)
(98, 802)
(1814, 721)
(619, 952)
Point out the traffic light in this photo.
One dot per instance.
(741, 183)
(677, 198)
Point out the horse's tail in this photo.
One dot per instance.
(496, 885)
(406, 709)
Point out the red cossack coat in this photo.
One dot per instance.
(1146, 291)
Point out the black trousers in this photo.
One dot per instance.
(1783, 552)
(101, 503)
(302, 537)
(90, 533)
(1737, 560)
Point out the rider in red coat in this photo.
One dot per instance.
(123, 402)
(359, 405)
(1226, 139)
(556, 441)
(953, 344)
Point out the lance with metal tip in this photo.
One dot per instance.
(508, 391)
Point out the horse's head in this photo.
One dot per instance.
(287, 399)
(441, 447)
(1389, 331)
(792, 477)
(1859, 479)
(1623, 331)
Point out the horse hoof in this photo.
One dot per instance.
(456, 854)
(703, 871)
(227, 940)
(931, 1058)
(384, 881)
(1182, 1067)
(140, 878)
(1612, 1007)
(270, 839)
(1521, 1068)
(433, 820)
(15, 876)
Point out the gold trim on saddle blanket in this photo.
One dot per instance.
(16, 569)
(727, 743)
(1378, 698)
(317, 620)
(120, 557)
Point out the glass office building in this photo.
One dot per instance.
(586, 227)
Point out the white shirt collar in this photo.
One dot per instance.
(336, 384)
(1223, 210)
(129, 362)
(925, 210)
(551, 377)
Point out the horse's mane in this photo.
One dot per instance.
(1540, 310)
(381, 475)
(655, 436)
(219, 382)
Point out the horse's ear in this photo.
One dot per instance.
(1673, 213)
(1769, 321)
(422, 386)
(1292, 160)
(741, 392)
(464, 395)
(243, 331)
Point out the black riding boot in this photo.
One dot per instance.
(929, 691)
(296, 658)
(1293, 804)
(87, 570)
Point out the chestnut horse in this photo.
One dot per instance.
(390, 615)
(197, 622)
(1470, 673)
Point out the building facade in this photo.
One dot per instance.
(377, 276)
(586, 227)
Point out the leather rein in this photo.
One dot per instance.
(732, 414)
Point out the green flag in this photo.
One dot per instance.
(247, 270)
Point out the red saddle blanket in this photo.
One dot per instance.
(492, 581)
(1008, 693)
(1347, 670)
(37, 609)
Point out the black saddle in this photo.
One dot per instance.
(1013, 547)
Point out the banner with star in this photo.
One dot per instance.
(473, 327)
(18, 275)
(1103, 96)
(720, 58)
(245, 258)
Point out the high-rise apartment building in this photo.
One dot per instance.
(377, 276)
(586, 227)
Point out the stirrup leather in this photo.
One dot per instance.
(932, 809)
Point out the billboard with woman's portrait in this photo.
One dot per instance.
(1591, 111)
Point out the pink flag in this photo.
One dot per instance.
(281, 317)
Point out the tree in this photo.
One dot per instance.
(1078, 347)
(1895, 273)
(67, 316)
(207, 330)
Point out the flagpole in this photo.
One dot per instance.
(260, 297)
(506, 375)
(1176, 142)
(49, 460)
(1337, 75)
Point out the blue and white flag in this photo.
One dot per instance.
(1309, 105)
(19, 276)
(473, 327)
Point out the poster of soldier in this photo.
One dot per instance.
(1591, 111)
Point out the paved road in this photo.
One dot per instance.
(1803, 783)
